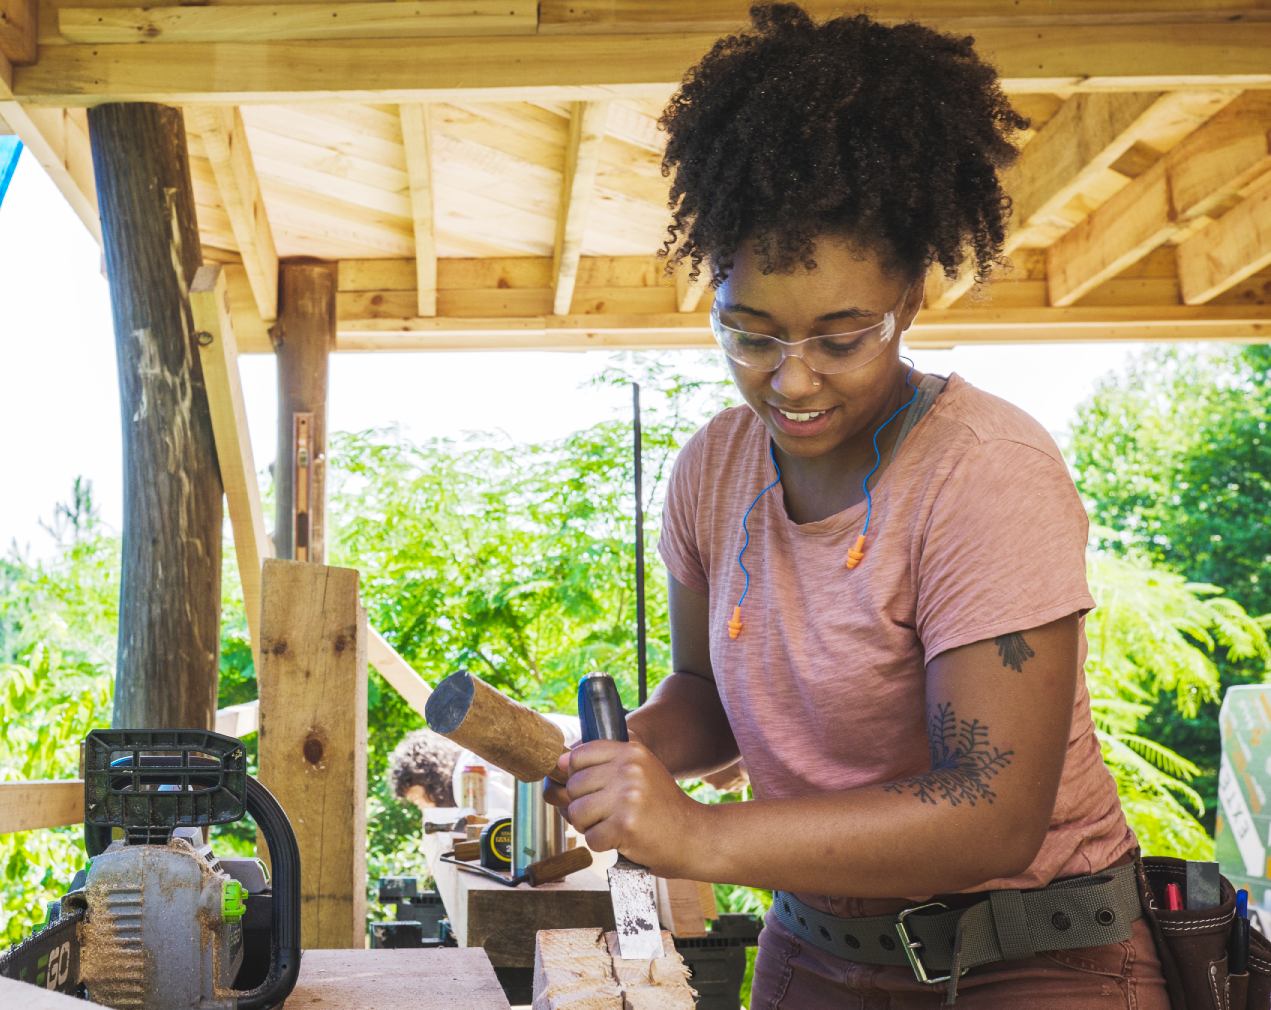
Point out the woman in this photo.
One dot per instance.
(877, 578)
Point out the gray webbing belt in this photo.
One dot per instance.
(1006, 926)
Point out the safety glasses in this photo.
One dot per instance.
(828, 354)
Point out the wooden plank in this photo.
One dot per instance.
(290, 21)
(25, 806)
(575, 16)
(583, 968)
(595, 67)
(441, 979)
(224, 138)
(578, 183)
(49, 136)
(503, 920)
(18, 30)
(680, 907)
(1215, 162)
(313, 698)
(688, 293)
(239, 720)
(218, 354)
(417, 140)
(399, 674)
(1224, 253)
(29, 997)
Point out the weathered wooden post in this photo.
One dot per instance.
(313, 738)
(170, 600)
(303, 338)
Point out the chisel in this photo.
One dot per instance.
(635, 911)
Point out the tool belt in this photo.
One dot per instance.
(1193, 945)
(940, 943)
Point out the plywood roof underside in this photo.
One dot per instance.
(489, 174)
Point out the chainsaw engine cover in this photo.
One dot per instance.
(163, 928)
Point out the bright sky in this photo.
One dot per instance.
(59, 404)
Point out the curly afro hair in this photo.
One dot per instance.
(891, 135)
(427, 760)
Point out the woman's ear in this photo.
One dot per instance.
(913, 302)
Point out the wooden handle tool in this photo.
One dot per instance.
(557, 867)
(493, 726)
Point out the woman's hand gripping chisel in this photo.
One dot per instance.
(635, 912)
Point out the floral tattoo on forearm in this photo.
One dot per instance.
(963, 762)
(1015, 652)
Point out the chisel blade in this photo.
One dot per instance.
(635, 911)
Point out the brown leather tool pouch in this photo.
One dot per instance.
(1193, 945)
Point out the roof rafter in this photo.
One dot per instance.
(1224, 253)
(18, 22)
(1081, 141)
(417, 139)
(578, 185)
(1219, 160)
(225, 143)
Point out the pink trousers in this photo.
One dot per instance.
(791, 975)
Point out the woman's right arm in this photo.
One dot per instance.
(683, 723)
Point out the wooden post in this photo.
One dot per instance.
(170, 600)
(313, 738)
(303, 338)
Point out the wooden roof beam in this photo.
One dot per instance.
(688, 293)
(18, 23)
(583, 67)
(578, 185)
(1221, 159)
(1224, 253)
(1081, 141)
(225, 143)
(417, 139)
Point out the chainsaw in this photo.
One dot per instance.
(156, 921)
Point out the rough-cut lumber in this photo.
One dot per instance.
(292, 21)
(417, 141)
(313, 697)
(25, 806)
(18, 22)
(303, 336)
(218, 353)
(504, 732)
(170, 599)
(503, 920)
(1221, 159)
(1044, 58)
(1223, 254)
(224, 137)
(578, 183)
(443, 979)
(580, 969)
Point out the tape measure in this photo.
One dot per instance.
(496, 844)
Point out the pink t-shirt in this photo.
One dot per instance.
(977, 531)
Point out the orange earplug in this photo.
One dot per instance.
(856, 553)
(734, 625)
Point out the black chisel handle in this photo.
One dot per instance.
(600, 709)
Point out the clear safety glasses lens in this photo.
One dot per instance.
(828, 354)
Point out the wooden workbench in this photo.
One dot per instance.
(504, 920)
(447, 978)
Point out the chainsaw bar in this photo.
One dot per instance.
(48, 959)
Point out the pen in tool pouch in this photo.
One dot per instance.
(1238, 955)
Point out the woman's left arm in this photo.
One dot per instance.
(998, 717)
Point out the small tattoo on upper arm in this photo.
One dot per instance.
(1015, 652)
(962, 762)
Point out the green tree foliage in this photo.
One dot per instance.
(1174, 461)
(1152, 639)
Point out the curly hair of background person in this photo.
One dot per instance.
(421, 767)
(889, 134)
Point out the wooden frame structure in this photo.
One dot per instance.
(485, 175)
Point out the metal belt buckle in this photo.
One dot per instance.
(913, 947)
